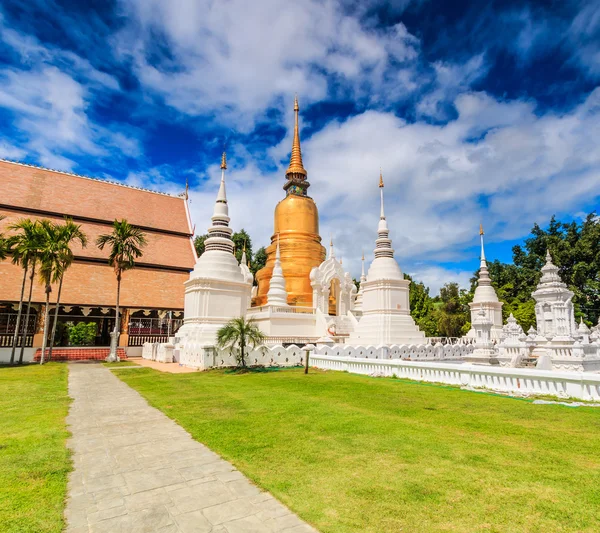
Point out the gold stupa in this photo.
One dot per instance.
(297, 224)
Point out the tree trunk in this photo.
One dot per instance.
(46, 318)
(243, 352)
(114, 340)
(51, 345)
(26, 325)
(19, 314)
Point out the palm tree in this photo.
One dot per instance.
(239, 334)
(4, 246)
(126, 243)
(67, 233)
(51, 268)
(24, 247)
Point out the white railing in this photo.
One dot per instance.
(288, 310)
(579, 385)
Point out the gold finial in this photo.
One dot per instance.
(224, 161)
(363, 256)
(187, 188)
(481, 229)
(341, 259)
(380, 178)
(296, 166)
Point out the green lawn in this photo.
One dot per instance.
(353, 454)
(34, 461)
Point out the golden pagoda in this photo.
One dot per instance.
(297, 225)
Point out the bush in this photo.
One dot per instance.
(82, 334)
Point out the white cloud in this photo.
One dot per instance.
(236, 59)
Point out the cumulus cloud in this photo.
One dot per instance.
(236, 59)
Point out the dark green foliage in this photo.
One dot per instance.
(199, 244)
(242, 241)
(260, 260)
(82, 334)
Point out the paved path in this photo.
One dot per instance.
(137, 471)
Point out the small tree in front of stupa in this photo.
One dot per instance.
(239, 336)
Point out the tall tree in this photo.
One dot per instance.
(238, 335)
(50, 270)
(421, 307)
(67, 234)
(24, 248)
(260, 260)
(452, 311)
(242, 241)
(125, 244)
(4, 246)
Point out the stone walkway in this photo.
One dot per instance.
(137, 471)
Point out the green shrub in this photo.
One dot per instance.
(82, 334)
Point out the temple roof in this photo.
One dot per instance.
(53, 192)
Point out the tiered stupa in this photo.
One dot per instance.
(218, 289)
(485, 298)
(385, 305)
(297, 227)
(554, 307)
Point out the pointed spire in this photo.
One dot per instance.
(383, 244)
(331, 253)
(296, 166)
(243, 260)
(482, 256)
(187, 188)
(219, 234)
(224, 161)
(362, 272)
(382, 215)
(296, 173)
(277, 295)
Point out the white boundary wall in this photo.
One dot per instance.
(580, 385)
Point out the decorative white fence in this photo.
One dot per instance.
(413, 352)
(579, 385)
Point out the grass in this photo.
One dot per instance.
(34, 460)
(351, 453)
(120, 364)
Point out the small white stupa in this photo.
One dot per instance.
(277, 295)
(485, 298)
(219, 288)
(386, 309)
(358, 302)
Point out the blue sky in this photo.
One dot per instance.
(475, 110)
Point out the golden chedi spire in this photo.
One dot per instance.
(296, 173)
(380, 179)
(224, 161)
(296, 225)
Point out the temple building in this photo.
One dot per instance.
(152, 299)
(297, 230)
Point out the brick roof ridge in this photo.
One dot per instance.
(101, 180)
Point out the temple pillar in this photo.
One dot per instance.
(124, 327)
(38, 335)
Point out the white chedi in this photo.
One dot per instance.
(385, 305)
(218, 289)
(554, 311)
(277, 295)
(485, 297)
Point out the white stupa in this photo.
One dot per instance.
(219, 288)
(358, 302)
(385, 304)
(277, 295)
(485, 298)
(553, 306)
